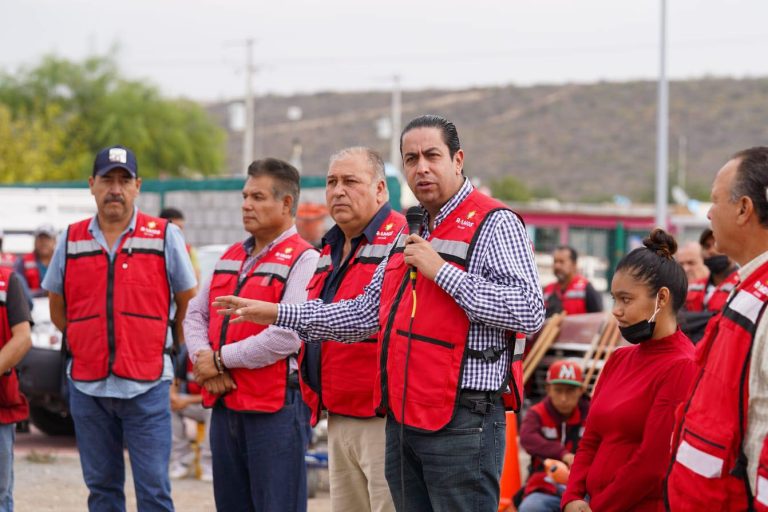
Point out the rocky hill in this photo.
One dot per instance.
(575, 142)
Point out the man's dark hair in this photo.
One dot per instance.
(171, 213)
(447, 129)
(285, 176)
(654, 266)
(751, 180)
(705, 237)
(571, 251)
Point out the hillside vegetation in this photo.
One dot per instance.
(575, 142)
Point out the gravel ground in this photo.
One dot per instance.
(48, 478)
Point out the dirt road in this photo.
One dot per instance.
(48, 478)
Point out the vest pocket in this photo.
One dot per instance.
(141, 342)
(79, 329)
(432, 379)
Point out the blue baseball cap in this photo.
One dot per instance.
(115, 157)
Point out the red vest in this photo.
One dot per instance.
(193, 388)
(347, 370)
(434, 365)
(697, 291)
(13, 405)
(7, 260)
(709, 468)
(258, 389)
(568, 433)
(31, 272)
(761, 493)
(573, 299)
(117, 312)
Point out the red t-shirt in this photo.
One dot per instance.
(624, 454)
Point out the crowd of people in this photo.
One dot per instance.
(409, 333)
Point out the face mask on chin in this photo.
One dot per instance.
(642, 330)
(717, 264)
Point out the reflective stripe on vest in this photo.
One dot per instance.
(699, 462)
(276, 269)
(323, 263)
(3, 296)
(83, 248)
(451, 250)
(372, 253)
(549, 432)
(144, 244)
(228, 266)
(762, 490)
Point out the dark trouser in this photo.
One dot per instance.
(454, 469)
(103, 426)
(258, 459)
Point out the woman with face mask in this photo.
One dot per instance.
(624, 454)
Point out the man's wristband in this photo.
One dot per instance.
(217, 362)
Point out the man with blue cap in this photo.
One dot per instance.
(113, 281)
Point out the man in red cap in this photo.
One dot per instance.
(552, 429)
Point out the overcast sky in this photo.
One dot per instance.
(195, 48)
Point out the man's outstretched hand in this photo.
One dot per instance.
(246, 310)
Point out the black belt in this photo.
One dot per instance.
(480, 402)
(293, 380)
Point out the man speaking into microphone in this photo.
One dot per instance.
(447, 343)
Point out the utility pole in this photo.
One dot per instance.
(662, 127)
(396, 113)
(249, 113)
(682, 160)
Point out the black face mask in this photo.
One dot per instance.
(717, 264)
(636, 333)
(642, 330)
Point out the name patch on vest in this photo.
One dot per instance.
(151, 229)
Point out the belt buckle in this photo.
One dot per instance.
(481, 407)
(489, 354)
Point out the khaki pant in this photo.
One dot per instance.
(356, 465)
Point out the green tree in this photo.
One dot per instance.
(510, 188)
(67, 111)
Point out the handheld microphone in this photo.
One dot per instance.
(414, 217)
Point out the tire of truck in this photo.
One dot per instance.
(51, 423)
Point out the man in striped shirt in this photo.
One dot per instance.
(489, 283)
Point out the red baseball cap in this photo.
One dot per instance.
(565, 372)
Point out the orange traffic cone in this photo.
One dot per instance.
(510, 474)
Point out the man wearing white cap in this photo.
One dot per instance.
(32, 266)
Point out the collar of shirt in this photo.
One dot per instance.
(335, 235)
(250, 243)
(746, 270)
(95, 230)
(451, 205)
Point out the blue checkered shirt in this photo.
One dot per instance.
(499, 292)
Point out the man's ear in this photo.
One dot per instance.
(746, 209)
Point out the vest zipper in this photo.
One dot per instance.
(110, 309)
(385, 341)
